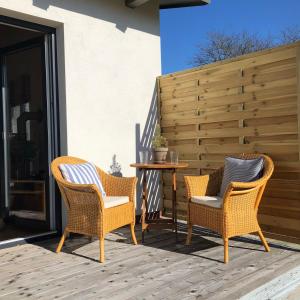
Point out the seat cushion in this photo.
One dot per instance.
(82, 174)
(115, 201)
(241, 170)
(213, 201)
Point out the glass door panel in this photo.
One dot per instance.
(25, 138)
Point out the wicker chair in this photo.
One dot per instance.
(238, 212)
(85, 205)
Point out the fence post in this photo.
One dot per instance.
(298, 94)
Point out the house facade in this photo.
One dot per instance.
(77, 78)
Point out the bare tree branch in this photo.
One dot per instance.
(290, 35)
(221, 46)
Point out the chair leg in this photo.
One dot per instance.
(62, 240)
(101, 241)
(189, 235)
(226, 256)
(263, 240)
(133, 234)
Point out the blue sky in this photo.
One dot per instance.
(182, 29)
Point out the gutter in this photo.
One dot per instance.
(167, 4)
(135, 3)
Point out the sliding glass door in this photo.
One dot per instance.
(28, 139)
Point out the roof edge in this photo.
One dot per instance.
(185, 4)
(135, 3)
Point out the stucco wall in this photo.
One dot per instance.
(111, 58)
(108, 59)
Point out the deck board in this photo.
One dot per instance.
(159, 269)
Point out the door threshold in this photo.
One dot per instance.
(27, 239)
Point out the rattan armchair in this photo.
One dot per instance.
(86, 211)
(238, 212)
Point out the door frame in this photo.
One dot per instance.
(51, 94)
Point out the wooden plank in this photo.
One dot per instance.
(271, 120)
(191, 127)
(182, 100)
(284, 184)
(183, 106)
(290, 166)
(218, 141)
(270, 103)
(180, 85)
(211, 93)
(269, 85)
(271, 67)
(219, 125)
(279, 212)
(201, 117)
(280, 138)
(281, 237)
(285, 202)
(175, 142)
(257, 78)
(295, 233)
(279, 192)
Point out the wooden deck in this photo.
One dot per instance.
(159, 269)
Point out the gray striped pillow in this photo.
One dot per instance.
(82, 174)
(241, 170)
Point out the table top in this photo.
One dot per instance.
(165, 166)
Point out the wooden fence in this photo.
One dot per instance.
(247, 104)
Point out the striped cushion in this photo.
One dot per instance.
(241, 170)
(82, 174)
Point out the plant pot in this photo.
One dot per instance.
(160, 155)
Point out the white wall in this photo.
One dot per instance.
(109, 56)
(108, 59)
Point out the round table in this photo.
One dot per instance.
(160, 222)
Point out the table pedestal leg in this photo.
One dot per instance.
(144, 205)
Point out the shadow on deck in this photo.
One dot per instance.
(158, 269)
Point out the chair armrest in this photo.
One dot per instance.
(237, 185)
(120, 186)
(243, 201)
(204, 185)
(248, 194)
(78, 194)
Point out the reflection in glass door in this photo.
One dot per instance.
(25, 141)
